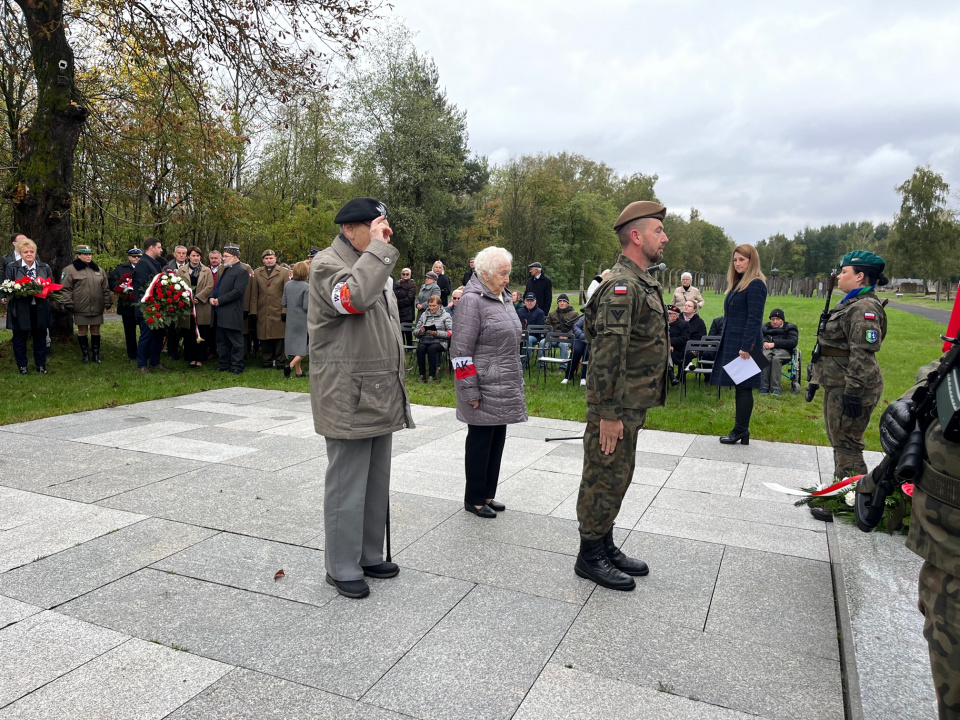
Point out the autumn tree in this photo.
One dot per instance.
(192, 38)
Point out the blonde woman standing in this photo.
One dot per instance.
(742, 333)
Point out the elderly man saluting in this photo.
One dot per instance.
(357, 390)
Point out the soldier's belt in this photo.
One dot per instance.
(938, 485)
(833, 352)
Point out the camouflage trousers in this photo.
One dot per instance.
(940, 605)
(606, 477)
(846, 433)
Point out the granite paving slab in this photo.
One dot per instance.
(753, 486)
(259, 424)
(48, 525)
(793, 616)
(680, 586)
(66, 460)
(12, 611)
(86, 427)
(247, 695)
(135, 436)
(132, 472)
(708, 476)
(730, 673)
(40, 427)
(739, 533)
(535, 491)
(565, 692)
(138, 679)
(758, 452)
(251, 564)
(343, 647)
(85, 567)
(442, 552)
(456, 672)
(235, 396)
(199, 450)
(664, 443)
(42, 647)
(724, 506)
(298, 429)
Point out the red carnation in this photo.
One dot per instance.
(180, 304)
(149, 320)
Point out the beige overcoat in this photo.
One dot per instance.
(266, 301)
(202, 293)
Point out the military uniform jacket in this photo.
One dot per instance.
(357, 367)
(856, 327)
(626, 327)
(85, 289)
(266, 301)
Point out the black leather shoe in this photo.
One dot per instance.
(628, 565)
(485, 511)
(735, 437)
(381, 570)
(821, 514)
(593, 564)
(286, 371)
(24, 371)
(498, 506)
(355, 589)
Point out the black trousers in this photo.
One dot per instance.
(174, 335)
(130, 334)
(230, 349)
(744, 402)
(484, 451)
(193, 351)
(39, 336)
(432, 352)
(270, 350)
(149, 346)
(206, 348)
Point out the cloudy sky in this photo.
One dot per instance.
(765, 118)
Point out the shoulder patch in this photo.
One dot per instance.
(615, 314)
(869, 316)
(619, 289)
(871, 336)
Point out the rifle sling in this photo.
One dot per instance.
(938, 485)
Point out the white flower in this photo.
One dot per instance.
(850, 498)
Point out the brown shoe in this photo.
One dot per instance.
(144, 370)
(160, 368)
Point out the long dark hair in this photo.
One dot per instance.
(872, 273)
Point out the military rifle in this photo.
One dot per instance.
(815, 355)
(939, 397)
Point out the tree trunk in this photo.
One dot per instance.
(41, 189)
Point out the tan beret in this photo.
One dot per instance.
(640, 209)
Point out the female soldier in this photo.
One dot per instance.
(847, 370)
(86, 293)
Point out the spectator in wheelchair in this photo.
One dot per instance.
(779, 342)
(434, 328)
(679, 335)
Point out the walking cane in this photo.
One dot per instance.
(389, 554)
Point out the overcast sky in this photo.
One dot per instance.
(764, 117)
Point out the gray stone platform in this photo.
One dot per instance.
(138, 548)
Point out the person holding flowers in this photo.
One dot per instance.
(121, 282)
(201, 282)
(86, 293)
(28, 311)
(151, 341)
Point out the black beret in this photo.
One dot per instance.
(361, 209)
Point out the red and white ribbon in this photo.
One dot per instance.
(834, 489)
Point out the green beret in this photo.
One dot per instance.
(863, 258)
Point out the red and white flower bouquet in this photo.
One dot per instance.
(27, 287)
(167, 301)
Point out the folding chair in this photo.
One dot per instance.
(545, 356)
(409, 349)
(706, 344)
(537, 332)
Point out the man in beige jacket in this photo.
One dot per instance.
(357, 390)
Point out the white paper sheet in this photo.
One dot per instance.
(739, 369)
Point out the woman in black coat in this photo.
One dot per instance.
(29, 316)
(406, 293)
(743, 323)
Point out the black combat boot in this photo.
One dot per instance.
(95, 349)
(593, 564)
(84, 348)
(621, 562)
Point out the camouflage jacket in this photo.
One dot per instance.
(935, 525)
(856, 327)
(625, 325)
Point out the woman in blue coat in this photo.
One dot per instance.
(743, 323)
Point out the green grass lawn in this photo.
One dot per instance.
(911, 342)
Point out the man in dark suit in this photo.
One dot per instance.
(13, 255)
(150, 344)
(127, 309)
(227, 302)
(541, 286)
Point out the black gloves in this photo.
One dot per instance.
(852, 406)
(253, 317)
(895, 424)
(283, 317)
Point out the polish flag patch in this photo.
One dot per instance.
(619, 289)
(869, 316)
(341, 300)
(464, 368)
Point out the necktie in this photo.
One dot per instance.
(32, 272)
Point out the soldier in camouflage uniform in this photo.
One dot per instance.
(934, 536)
(625, 326)
(847, 370)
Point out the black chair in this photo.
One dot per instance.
(706, 352)
(539, 331)
(548, 355)
(409, 349)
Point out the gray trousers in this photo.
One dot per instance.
(355, 501)
(771, 373)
